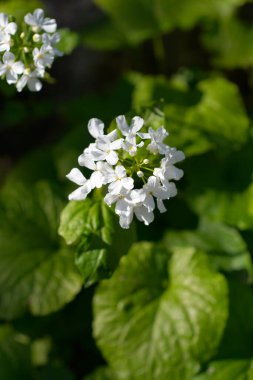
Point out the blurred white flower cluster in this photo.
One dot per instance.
(135, 166)
(26, 52)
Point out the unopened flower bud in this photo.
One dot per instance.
(35, 29)
(36, 37)
(25, 49)
(140, 174)
(146, 161)
(22, 35)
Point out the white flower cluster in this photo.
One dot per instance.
(134, 164)
(26, 54)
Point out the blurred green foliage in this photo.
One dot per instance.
(79, 297)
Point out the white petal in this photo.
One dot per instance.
(120, 171)
(110, 198)
(49, 25)
(3, 19)
(97, 179)
(125, 220)
(96, 127)
(127, 183)
(39, 14)
(112, 135)
(122, 207)
(122, 125)
(112, 158)
(115, 187)
(29, 19)
(8, 57)
(18, 67)
(80, 193)
(103, 143)
(86, 161)
(144, 136)
(21, 83)
(11, 77)
(136, 124)
(137, 196)
(161, 206)
(172, 189)
(173, 173)
(2, 69)
(97, 155)
(117, 144)
(174, 155)
(76, 176)
(143, 215)
(149, 203)
(34, 84)
(4, 46)
(11, 28)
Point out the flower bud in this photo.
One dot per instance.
(146, 161)
(140, 174)
(36, 37)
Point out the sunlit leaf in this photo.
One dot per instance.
(226, 248)
(37, 270)
(164, 314)
(101, 241)
(228, 369)
(14, 355)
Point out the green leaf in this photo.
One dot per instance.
(36, 270)
(69, 40)
(218, 120)
(228, 370)
(235, 208)
(165, 314)
(238, 335)
(101, 241)
(18, 8)
(14, 355)
(124, 25)
(51, 372)
(231, 44)
(208, 117)
(102, 373)
(226, 248)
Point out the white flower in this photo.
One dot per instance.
(120, 181)
(6, 26)
(102, 172)
(132, 130)
(39, 22)
(105, 149)
(30, 78)
(52, 40)
(96, 129)
(10, 68)
(132, 204)
(43, 57)
(5, 42)
(157, 137)
(110, 198)
(168, 170)
(130, 145)
(109, 169)
(153, 188)
(85, 186)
